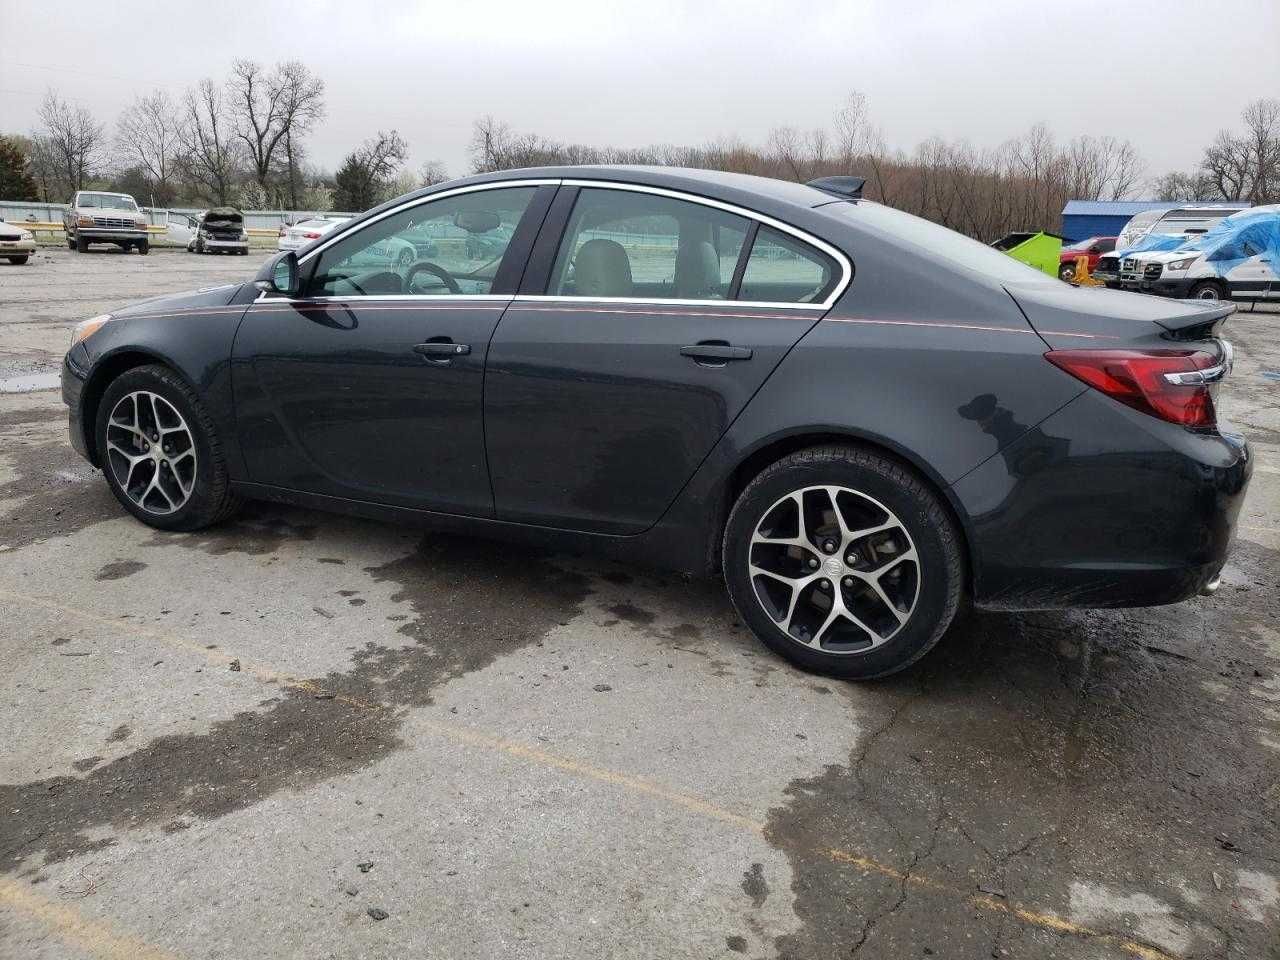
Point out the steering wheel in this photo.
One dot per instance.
(439, 272)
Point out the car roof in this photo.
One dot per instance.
(764, 194)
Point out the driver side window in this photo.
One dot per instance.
(447, 247)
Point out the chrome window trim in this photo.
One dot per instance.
(664, 301)
(265, 297)
(842, 261)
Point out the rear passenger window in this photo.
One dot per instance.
(783, 270)
(632, 245)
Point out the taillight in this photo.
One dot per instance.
(1174, 385)
(311, 235)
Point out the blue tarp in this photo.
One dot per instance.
(1230, 241)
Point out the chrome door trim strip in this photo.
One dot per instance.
(661, 302)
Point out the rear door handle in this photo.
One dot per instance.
(441, 351)
(715, 353)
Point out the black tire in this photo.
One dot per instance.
(1208, 290)
(1067, 272)
(71, 243)
(19, 261)
(144, 247)
(921, 513)
(82, 245)
(211, 500)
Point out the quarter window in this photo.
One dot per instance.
(621, 243)
(447, 247)
(783, 270)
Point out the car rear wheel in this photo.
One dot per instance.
(843, 561)
(160, 452)
(19, 261)
(144, 247)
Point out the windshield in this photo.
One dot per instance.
(110, 201)
(1082, 244)
(939, 241)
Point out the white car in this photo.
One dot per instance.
(302, 233)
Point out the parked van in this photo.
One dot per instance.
(1161, 228)
(1174, 221)
(1236, 259)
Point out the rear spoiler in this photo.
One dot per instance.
(1066, 316)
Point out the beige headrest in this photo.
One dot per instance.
(697, 271)
(602, 269)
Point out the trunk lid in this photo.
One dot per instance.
(1068, 317)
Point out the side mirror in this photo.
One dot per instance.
(284, 274)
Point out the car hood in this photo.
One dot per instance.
(1067, 316)
(10, 232)
(1167, 256)
(218, 296)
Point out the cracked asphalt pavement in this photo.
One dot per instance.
(303, 735)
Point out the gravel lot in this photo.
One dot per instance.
(301, 735)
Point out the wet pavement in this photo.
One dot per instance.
(302, 735)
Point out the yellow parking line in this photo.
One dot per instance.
(92, 936)
(469, 736)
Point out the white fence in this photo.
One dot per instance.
(15, 211)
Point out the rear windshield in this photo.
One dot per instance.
(938, 241)
(111, 201)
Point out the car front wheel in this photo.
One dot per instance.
(160, 451)
(843, 561)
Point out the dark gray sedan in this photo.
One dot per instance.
(860, 418)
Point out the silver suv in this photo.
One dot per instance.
(95, 217)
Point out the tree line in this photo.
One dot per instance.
(239, 142)
(244, 142)
(1022, 184)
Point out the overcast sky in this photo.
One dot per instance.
(1166, 76)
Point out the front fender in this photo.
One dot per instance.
(192, 335)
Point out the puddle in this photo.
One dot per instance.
(30, 383)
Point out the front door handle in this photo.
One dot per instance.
(715, 352)
(441, 350)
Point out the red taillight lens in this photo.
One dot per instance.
(311, 235)
(1141, 379)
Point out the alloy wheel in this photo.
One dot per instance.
(834, 569)
(151, 452)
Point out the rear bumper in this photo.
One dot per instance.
(1102, 506)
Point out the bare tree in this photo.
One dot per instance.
(210, 150)
(1181, 187)
(271, 109)
(1226, 166)
(1262, 139)
(73, 138)
(432, 172)
(367, 173)
(147, 136)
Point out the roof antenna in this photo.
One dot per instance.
(847, 188)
